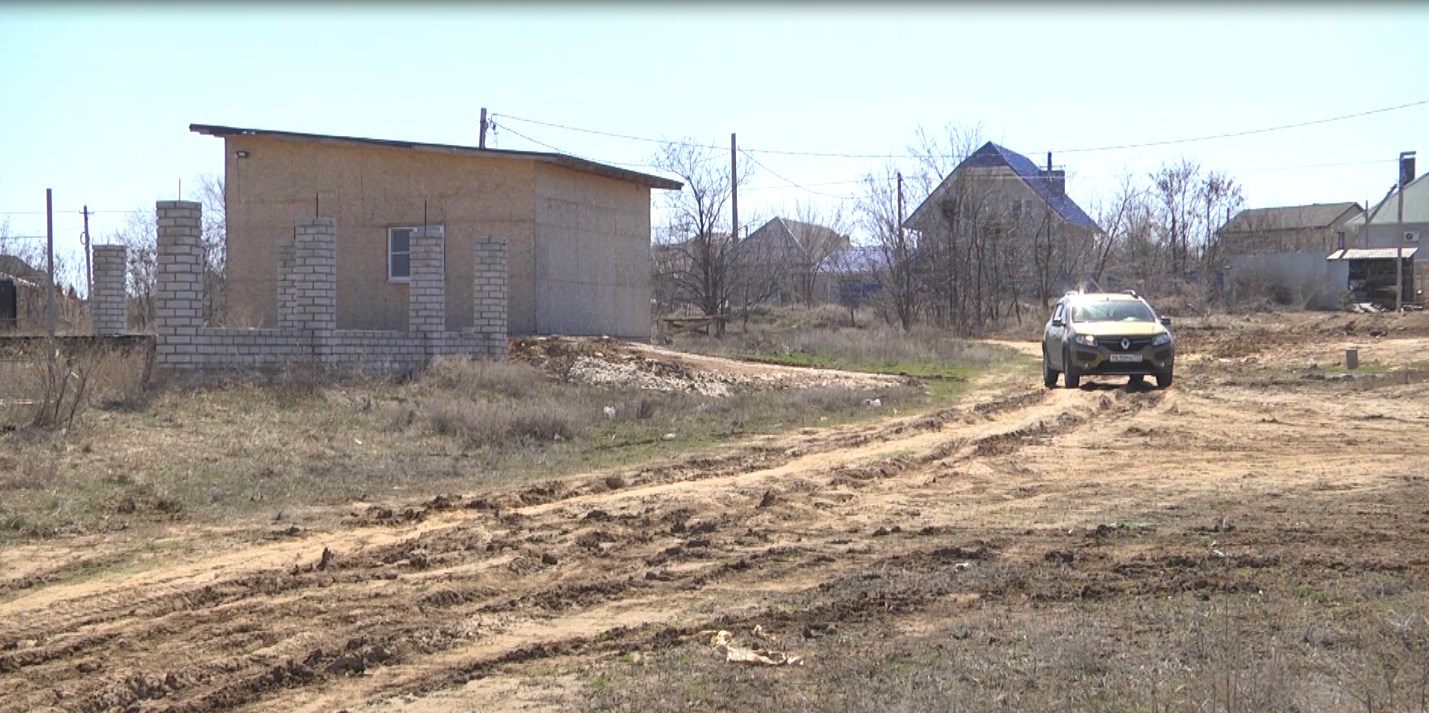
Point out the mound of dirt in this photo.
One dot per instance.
(610, 362)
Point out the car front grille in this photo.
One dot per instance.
(1136, 344)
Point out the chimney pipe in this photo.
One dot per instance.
(1406, 168)
(1049, 160)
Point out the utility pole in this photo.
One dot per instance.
(733, 216)
(482, 140)
(88, 272)
(1406, 165)
(733, 189)
(50, 288)
(900, 210)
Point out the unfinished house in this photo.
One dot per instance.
(577, 232)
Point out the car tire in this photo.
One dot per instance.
(1136, 380)
(1163, 380)
(1070, 376)
(1049, 375)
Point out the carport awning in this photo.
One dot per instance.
(1369, 254)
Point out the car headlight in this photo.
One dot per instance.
(1161, 339)
(1085, 340)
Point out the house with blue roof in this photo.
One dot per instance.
(1012, 180)
(1000, 194)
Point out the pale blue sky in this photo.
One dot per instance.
(97, 100)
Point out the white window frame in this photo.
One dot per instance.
(401, 279)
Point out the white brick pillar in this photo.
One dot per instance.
(288, 318)
(178, 288)
(109, 308)
(312, 287)
(489, 295)
(427, 290)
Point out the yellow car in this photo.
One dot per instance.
(1106, 333)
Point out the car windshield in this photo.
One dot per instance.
(1113, 311)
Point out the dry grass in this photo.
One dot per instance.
(1359, 644)
(821, 337)
(293, 448)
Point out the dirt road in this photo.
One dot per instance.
(1099, 494)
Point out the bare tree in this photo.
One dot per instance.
(821, 234)
(139, 236)
(895, 263)
(698, 257)
(1174, 186)
(215, 247)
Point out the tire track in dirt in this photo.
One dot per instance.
(408, 606)
(193, 601)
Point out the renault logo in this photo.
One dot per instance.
(1125, 344)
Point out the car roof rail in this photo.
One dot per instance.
(1130, 292)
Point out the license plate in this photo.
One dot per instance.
(1126, 357)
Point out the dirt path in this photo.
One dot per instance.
(450, 604)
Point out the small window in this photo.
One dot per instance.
(399, 252)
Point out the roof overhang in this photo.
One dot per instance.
(1371, 254)
(571, 162)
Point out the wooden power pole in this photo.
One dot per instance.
(482, 140)
(88, 271)
(733, 189)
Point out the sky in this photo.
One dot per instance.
(96, 99)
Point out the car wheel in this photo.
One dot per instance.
(1163, 380)
(1071, 377)
(1049, 375)
(1136, 380)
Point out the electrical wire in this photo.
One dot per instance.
(757, 162)
(829, 154)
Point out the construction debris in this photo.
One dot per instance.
(723, 642)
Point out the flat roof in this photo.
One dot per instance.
(571, 162)
(1368, 254)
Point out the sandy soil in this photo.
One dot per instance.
(455, 602)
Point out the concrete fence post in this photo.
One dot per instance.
(178, 289)
(109, 308)
(427, 291)
(489, 294)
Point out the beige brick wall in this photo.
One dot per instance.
(592, 260)
(593, 233)
(367, 189)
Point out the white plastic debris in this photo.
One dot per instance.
(609, 412)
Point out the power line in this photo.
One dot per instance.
(510, 130)
(1248, 132)
(833, 154)
(776, 175)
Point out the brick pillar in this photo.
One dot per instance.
(178, 289)
(312, 288)
(287, 301)
(489, 293)
(108, 305)
(427, 290)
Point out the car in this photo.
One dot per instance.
(1106, 333)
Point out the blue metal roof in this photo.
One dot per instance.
(991, 155)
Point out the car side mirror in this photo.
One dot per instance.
(1166, 321)
(1057, 322)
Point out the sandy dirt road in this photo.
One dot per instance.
(1103, 491)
